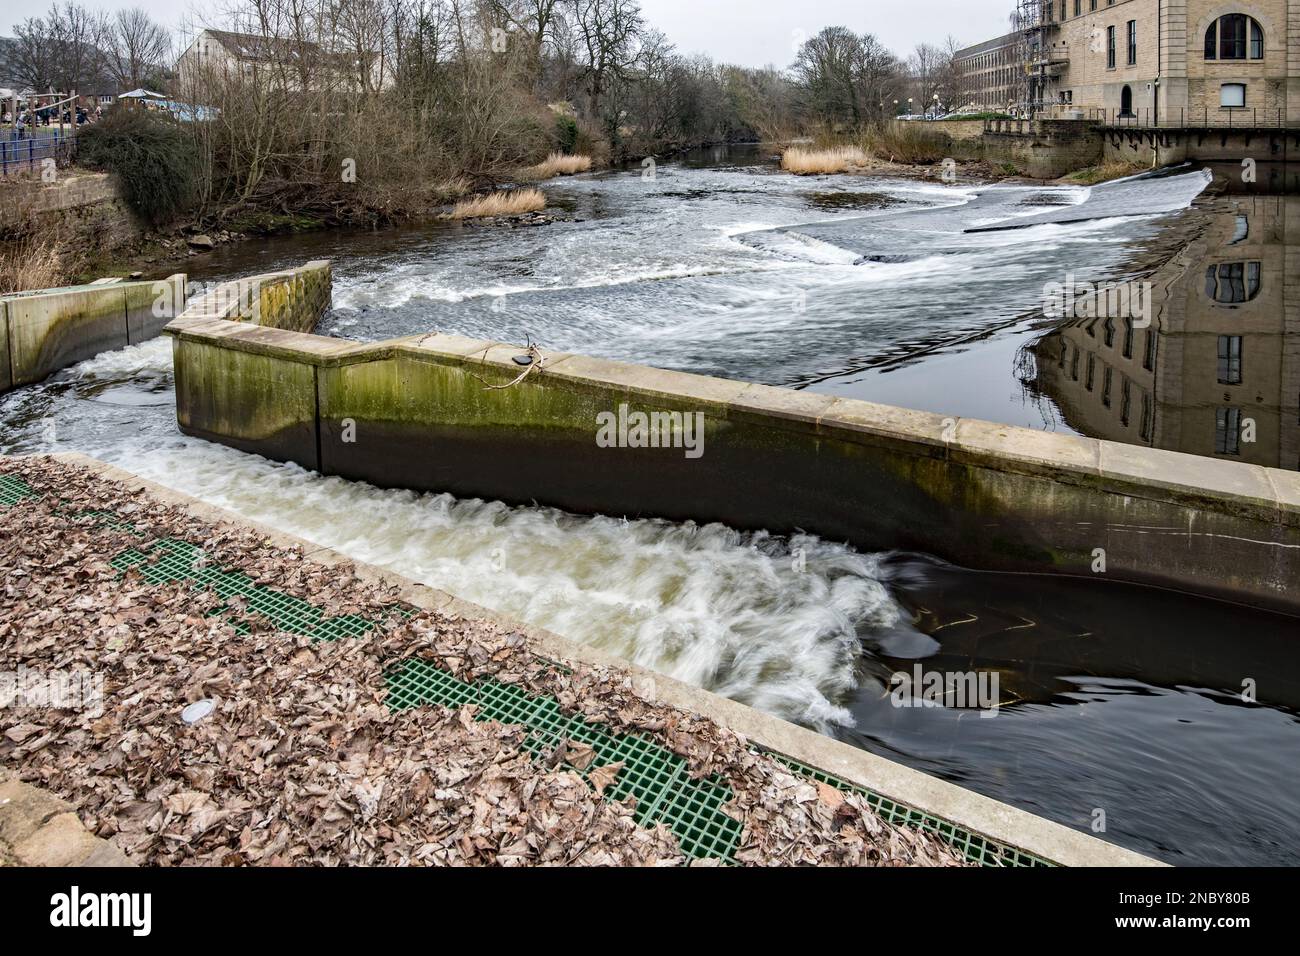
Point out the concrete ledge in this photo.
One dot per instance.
(982, 815)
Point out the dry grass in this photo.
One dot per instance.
(558, 164)
(815, 162)
(907, 142)
(31, 262)
(1115, 169)
(516, 202)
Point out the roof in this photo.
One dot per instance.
(254, 46)
(997, 43)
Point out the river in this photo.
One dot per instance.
(1113, 698)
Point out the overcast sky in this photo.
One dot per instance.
(748, 32)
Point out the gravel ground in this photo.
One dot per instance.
(301, 762)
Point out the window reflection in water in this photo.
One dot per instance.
(1217, 373)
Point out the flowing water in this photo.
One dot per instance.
(1112, 698)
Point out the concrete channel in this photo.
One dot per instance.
(492, 420)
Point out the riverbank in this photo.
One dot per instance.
(307, 756)
(162, 250)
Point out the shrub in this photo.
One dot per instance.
(151, 156)
(1115, 169)
(812, 162)
(516, 202)
(566, 132)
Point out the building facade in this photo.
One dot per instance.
(990, 74)
(300, 65)
(1161, 62)
(1217, 373)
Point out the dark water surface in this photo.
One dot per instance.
(1111, 698)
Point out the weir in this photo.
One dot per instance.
(443, 413)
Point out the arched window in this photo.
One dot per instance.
(1234, 36)
(1232, 282)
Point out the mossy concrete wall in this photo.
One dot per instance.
(223, 386)
(51, 329)
(422, 412)
(293, 299)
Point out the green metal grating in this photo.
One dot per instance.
(974, 847)
(654, 776)
(658, 779)
(13, 490)
(173, 561)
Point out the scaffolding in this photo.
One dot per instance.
(1033, 24)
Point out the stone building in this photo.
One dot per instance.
(1161, 62)
(989, 74)
(299, 64)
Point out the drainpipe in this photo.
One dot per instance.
(1160, 46)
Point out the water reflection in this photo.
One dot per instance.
(1218, 371)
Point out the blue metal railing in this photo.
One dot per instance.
(33, 148)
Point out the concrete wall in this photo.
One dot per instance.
(1044, 149)
(1165, 146)
(419, 413)
(294, 299)
(52, 329)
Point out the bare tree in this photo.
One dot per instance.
(31, 56)
(845, 76)
(933, 71)
(607, 31)
(79, 36)
(62, 50)
(536, 20)
(139, 49)
(824, 66)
